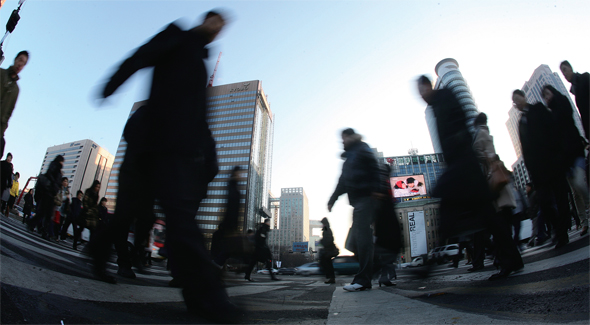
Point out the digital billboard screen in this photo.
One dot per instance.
(406, 186)
(300, 246)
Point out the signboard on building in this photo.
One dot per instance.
(418, 244)
(405, 186)
(300, 246)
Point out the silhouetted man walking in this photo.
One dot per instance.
(170, 157)
(360, 180)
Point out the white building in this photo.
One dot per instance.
(85, 161)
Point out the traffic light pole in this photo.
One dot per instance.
(10, 25)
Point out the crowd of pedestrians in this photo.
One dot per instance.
(553, 148)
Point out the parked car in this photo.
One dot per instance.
(405, 265)
(345, 265)
(287, 271)
(265, 271)
(308, 269)
(447, 252)
(418, 261)
(433, 254)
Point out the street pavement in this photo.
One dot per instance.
(46, 282)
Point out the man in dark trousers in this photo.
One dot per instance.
(360, 179)
(262, 251)
(6, 170)
(464, 212)
(170, 147)
(581, 89)
(542, 153)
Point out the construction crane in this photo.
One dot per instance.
(210, 84)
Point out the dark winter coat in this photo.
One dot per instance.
(49, 184)
(327, 241)
(581, 89)
(387, 228)
(6, 171)
(462, 187)
(540, 145)
(360, 174)
(75, 208)
(173, 124)
(262, 250)
(569, 139)
(28, 208)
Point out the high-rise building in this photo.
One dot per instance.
(85, 161)
(241, 123)
(113, 184)
(294, 225)
(450, 77)
(520, 173)
(532, 88)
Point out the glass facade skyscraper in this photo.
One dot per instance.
(241, 123)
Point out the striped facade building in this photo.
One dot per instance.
(241, 123)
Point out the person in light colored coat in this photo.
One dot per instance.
(499, 225)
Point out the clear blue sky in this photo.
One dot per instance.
(325, 66)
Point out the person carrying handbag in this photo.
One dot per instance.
(499, 224)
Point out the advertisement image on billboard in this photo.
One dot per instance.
(300, 246)
(405, 186)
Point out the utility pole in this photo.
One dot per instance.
(10, 25)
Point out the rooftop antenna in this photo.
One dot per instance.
(210, 84)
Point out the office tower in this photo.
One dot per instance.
(450, 77)
(294, 225)
(242, 125)
(113, 184)
(85, 161)
(532, 88)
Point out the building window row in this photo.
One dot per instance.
(208, 218)
(228, 175)
(223, 192)
(235, 144)
(233, 137)
(230, 106)
(225, 183)
(243, 167)
(211, 209)
(233, 111)
(233, 152)
(207, 226)
(64, 150)
(231, 95)
(227, 118)
(241, 99)
(233, 159)
(232, 131)
(215, 126)
(220, 201)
